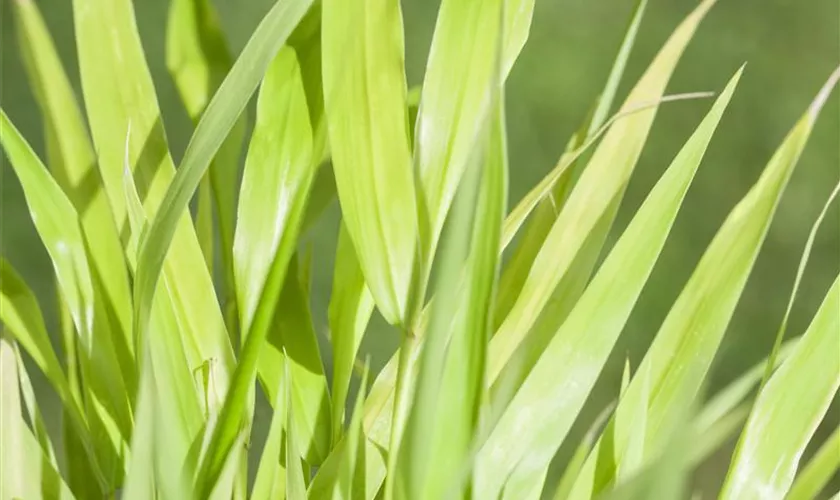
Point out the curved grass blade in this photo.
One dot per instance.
(176, 416)
(278, 177)
(108, 376)
(817, 473)
(564, 486)
(452, 377)
(295, 482)
(539, 416)
(351, 477)
(36, 419)
(215, 124)
(516, 270)
(198, 60)
(293, 333)
(270, 481)
(140, 481)
(365, 95)
(351, 306)
(682, 351)
(453, 111)
(72, 162)
(120, 101)
(596, 195)
(788, 410)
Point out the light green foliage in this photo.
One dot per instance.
(364, 97)
(159, 385)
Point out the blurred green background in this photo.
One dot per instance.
(790, 47)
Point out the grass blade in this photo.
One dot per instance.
(72, 162)
(539, 225)
(816, 474)
(596, 195)
(198, 60)
(295, 481)
(535, 423)
(270, 481)
(453, 112)
(351, 476)
(437, 443)
(365, 95)
(108, 375)
(120, 101)
(351, 306)
(779, 428)
(685, 345)
(293, 333)
(25, 472)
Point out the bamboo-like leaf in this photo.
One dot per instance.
(108, 375)
(295, 482)
(352, 471)
(120, 101)
(535, 423)
(595, 196)
(682, 351)
(351, 306)
(816, 474)
(198, 60)
(788, 410)
(278, 174)
(292, 332)
(453, 111)
(72, 162)
(173, 417)
(516, 270)
(364, 97)
(437, 443)
(24, 471)
(270, 481)
(36, 419)
(564, 486)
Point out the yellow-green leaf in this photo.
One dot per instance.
(364, 97)
(788, 410)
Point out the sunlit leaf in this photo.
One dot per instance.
(541, 413)
(683, 349)
(364, 96)
(788, 410)
(816, 474)
(270, 481)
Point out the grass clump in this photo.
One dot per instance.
(161, 361)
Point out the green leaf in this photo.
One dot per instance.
(198, 60)
(788, 410)
(351, 477)
(120, 101)
(176, 399)
(278, 176)
(816, 474)
(453, 111)
(140, 479)
(26, 472)
(541, 413)
(595, 198)
(437, 443)
(72, 163)
(351, 306)
(564, 486)
(364, 97)
(109, 377)
(270, 481)
(539, 225)
(36, 420)
(685, 345)
(292, 332)
(295, 482)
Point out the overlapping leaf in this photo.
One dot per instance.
(541, 413)
(682, 351)
(364, 97)
(788, 410)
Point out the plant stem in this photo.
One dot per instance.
(402, 400)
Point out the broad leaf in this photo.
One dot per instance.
(364, 97)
